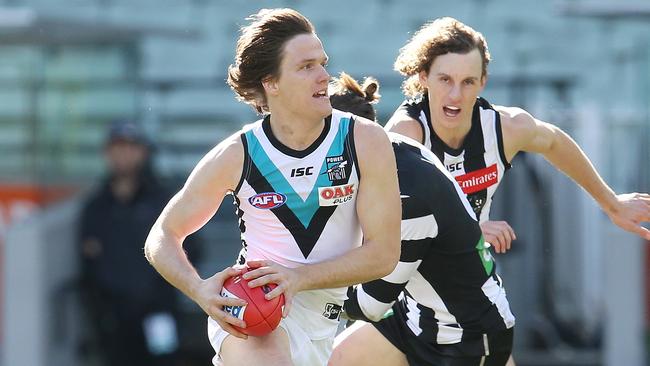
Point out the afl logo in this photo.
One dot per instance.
(267, 200)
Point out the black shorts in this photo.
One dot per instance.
(466, 353)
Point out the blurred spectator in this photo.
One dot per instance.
(131, 308)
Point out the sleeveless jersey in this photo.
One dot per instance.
(446, 279)
(299, 207)
(480, 163)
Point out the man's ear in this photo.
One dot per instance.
(484, 80)
(270, 85)
(422, 76)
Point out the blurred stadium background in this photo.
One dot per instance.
(576, 283)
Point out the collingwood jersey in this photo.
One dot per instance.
(445, 288)
(299, 207)
(480, 163)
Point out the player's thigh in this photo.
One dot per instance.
(269, 350)
(363, 344)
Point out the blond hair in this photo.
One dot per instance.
(436, 38)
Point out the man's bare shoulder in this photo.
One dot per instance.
(230, 149)
(368, 132)
(223, 163)
(518, 128)
(372, 145)
(514, 116)
(405, 125)
(515, 121)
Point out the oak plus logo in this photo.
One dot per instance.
(478, 180)
(336, 195)
(267, 200)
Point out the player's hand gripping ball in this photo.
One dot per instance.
(262, 316)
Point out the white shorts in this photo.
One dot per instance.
(305, 350)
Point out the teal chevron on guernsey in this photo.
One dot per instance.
(303, 209)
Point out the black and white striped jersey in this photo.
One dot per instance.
(480, 163)
(446, 278)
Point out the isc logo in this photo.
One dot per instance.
(299, 172)
(455, 167)
(267, 200)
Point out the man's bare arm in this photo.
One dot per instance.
(523, 132)
(213, 177)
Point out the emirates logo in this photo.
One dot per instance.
(478, 180)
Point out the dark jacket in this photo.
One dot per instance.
(121, 271)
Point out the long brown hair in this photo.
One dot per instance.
(259, 52)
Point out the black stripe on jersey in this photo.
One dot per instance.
(499, 133)
(241, 259)
(413, 107)
(245, 167)
(473, 143)
(427, 321)
(413, 250)
(352, 308)
(240, 214)
(458, 277)
(244, 175)
(349, 146)
(471, 342)
(415, 176)
(475, 156)
(495, 277)
(438, 146)
(383, 291)
(305, 237)
(412, 207)
(266, 126)
(409, 158)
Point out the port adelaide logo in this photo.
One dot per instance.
(335, 167)
(267, 200)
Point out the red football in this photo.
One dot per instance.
(262, 316)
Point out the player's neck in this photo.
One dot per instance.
(452, 135)
(295, 132)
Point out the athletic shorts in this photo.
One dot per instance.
(489, 350)
(304, 349)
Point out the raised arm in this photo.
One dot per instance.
(522, 132)
(213, 177)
